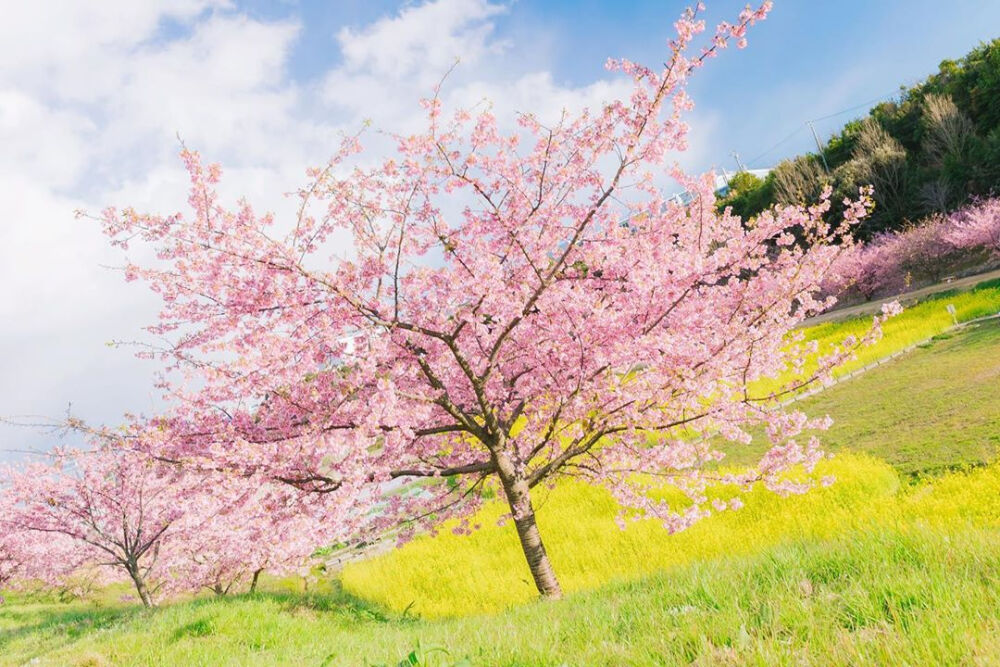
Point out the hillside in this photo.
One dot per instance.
(884, 566)
(926, 151)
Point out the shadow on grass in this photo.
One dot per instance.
(337, 603)
(987, 284)
(54, 626)
(346, 607)
(68, 625)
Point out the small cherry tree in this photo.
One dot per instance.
(255, 526)
(29, 558)
(13, 554)
(866, 269)
(115, 507)
(18, 549)
(890, 262)
(926, 250)
(512, 308)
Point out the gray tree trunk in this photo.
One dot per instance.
(140, 586)
(253, 582)
(519, 499)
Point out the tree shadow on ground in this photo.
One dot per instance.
(346, 607)
(53, 627)
(57, 627)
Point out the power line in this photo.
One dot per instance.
(807, 123)
(856, 106)
(790, 135)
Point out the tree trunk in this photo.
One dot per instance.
(519, 499)
(253, 582)
(140, 586)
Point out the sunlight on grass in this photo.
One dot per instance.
(915, 593)
(485, 572)
(914, 325)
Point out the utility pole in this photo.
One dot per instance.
(738, 163)
(819, 146)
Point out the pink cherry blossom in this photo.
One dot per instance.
(512, 308)
(977, 226)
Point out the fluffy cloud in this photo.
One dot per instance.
(422, 40)
(69, 50)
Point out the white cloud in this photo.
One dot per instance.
(44, 143)
(422, 40)
(73, 50)
(91, 98)
(221, 88)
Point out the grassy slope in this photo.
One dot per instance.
(915, 325)
(908, 589)
(933, 409)
(914, 414)
(918, 596)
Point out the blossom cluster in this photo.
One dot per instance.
(925, 252)
(162, 527)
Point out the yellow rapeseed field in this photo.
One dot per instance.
(455, 575)
(450, 575)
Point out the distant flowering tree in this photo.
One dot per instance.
(254, 527)
(114, 507)
(28, 557)
(167, 528)
(866, 269)
(977, 226)
(511, 308)
(891, 262)
(16, 548)
(925, 250)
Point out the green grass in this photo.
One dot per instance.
(894, 564)
(909, 596)
(934, 409)
(913, 326)
(907, 577)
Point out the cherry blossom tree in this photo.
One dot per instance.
(16, 548)
(491, 309)
(167, 528)
(890, 262)
(977, 226)
(255, 527)
(866, 269)
(116, 507)
(11, 562)
(12, 556)
(926, 250)
(28, 557)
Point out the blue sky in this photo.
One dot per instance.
(94, 94)
(809, 60)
